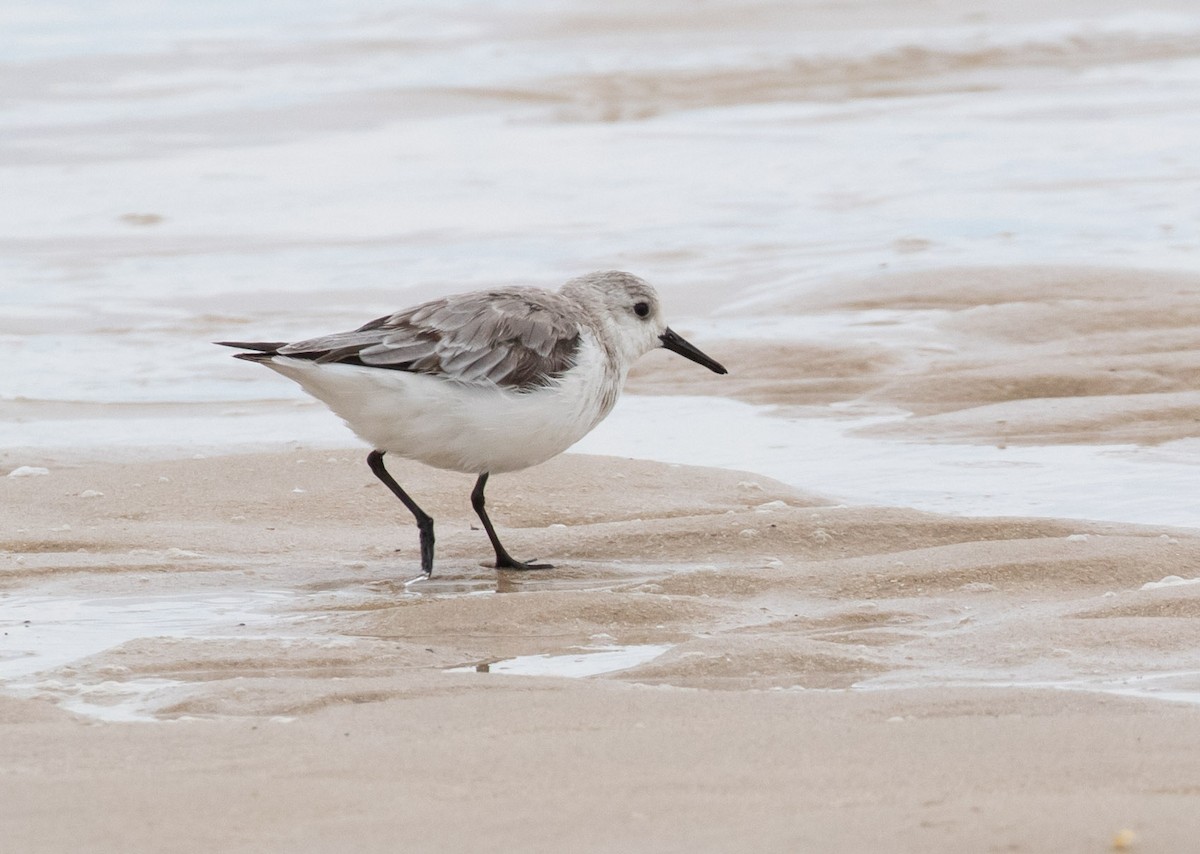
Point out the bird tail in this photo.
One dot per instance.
(263, 350)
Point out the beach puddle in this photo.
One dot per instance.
(586, 662)
(42, 632)
(113, 701)
(1169, 687)
(44, 637)
(1176, 687)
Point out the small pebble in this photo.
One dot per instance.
(1124, 839)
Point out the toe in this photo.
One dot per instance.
(522, 565)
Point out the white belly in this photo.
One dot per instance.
(466, 428)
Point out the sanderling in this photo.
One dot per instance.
(482, 383)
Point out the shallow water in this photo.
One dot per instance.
(1116, 483)
(591, 661)
(284, 170)
(44, 634)
(1180, 687)
(1183, 687)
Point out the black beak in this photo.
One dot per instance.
(675, 344)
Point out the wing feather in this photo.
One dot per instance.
(515, 338)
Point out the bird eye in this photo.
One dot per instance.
(641, 309)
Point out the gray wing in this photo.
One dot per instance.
(515, 337)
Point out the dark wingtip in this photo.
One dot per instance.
(260, 346)
(263, 350)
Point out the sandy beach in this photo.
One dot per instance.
(921, 574)
(718, 660)
(797, 694)
(222, 652)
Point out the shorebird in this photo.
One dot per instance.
(484, 382)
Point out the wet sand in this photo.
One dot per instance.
(852, 678)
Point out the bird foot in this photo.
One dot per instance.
(512, 563)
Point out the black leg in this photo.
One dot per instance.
(503, 559)
(424, 520)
